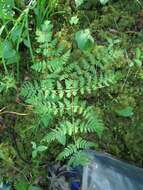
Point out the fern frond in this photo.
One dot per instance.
(55, 134)
(68, 151)
(74, 148)
(28, 90)
(83, 144)
(106, 80)
(39, 66)
(92, 122)
(57, 63)
(59, 133)
(79, 158)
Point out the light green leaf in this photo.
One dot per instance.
(8, 52)
(103, 2)
(41, 148)
(74, 20)
(79, 2)
(33, 145)
(34, 154)
(84, 39)
(1, 29)
(138, 53)
(126, 112)
(16, 33)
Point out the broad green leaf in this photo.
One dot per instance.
(126, 112)
(16, 33)
(79, 2)
(21, 185)
(103, 2)
(8, 53)
(84, 39)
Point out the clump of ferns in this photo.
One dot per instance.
(58, 94)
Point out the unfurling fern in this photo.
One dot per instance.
(59, 96)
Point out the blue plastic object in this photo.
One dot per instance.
(102, 173)
(107, 173)
(75, 185)
(6, 186)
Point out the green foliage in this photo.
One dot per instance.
(6, 7)
(58, 95)
(72, 148)
(36, 149)
(84, 39)
(74, 20)
(103, 2)
(138, 57)
(80, 82)
(14, 32)
(44, 9)
(7, 52)
(126, 112)
(6, 83)
(24, 185)
(79, 2)
(5, 154)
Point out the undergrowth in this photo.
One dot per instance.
(69, 81)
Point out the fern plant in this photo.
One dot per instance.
(58, 96)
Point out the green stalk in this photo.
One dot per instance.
(17, 48)
(28, 38)
(5, 67)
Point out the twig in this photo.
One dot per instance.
(2, 109)
(14, 113)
